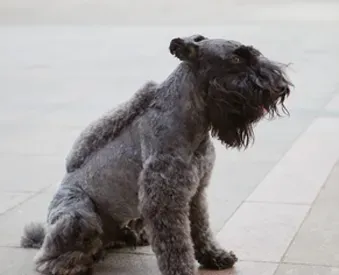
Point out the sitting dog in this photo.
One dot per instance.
(150, 161)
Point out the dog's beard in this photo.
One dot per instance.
(228, 119)
(233, 111)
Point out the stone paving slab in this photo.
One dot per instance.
(22, 173)
(16, 261)
(304, 168)
(290, 269)
(37, 140)
(9, 200)
(262, 231)
(317, 241)
(19, 262)
(13, 221)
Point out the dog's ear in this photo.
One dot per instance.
(184, 49)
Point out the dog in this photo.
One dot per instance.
(149, 161)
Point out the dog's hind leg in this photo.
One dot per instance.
(73, 237)
(130, 234)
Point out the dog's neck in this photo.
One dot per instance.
(182, 95)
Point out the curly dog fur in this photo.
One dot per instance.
(140, 172)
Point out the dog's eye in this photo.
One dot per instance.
(235, 59)
(199, 38)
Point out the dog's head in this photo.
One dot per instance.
(241, 85)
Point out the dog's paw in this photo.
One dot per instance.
(130, 237)
(115, 245)
(218, 259)
(99, 256)
(143, 238)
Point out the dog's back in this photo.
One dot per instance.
(109, 126)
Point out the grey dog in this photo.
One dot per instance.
(150, 160)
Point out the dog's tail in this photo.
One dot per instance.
(33, 237)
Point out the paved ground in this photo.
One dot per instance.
(275, 205)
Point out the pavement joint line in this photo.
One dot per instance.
(278, 202)
(330, 114)
(134, 253)
(153, 255)
(310, 205)
(308, 264)
(17, 192)
(266, 174)
(287, 151)
(308, 213)
(20, 203)
(228, 219)
(15, 154)
(27, 199)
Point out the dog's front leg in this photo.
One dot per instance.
(167, 185)
(207, 251)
